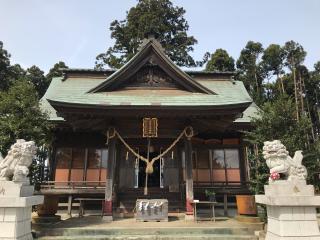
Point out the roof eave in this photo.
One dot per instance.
(55, 104)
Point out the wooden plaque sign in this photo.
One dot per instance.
(150, 127)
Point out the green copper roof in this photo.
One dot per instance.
(88, 90)
(75, 91)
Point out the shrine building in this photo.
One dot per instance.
(147, 130)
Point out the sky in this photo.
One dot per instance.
(43, 32)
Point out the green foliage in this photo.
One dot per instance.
(36, 76)
(277, 121)
(209, 192)
(21, 117)
(273, 59)
(250, 70)
(259, 172)
(220, 61)
(313, 96)
(294, 53)
(5, 78)
(157, 17)
(56, 71)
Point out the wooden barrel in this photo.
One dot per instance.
(246, 204)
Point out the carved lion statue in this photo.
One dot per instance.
(15, 164)
(279, 161)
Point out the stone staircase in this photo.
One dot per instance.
(93, 227)
(198, 233)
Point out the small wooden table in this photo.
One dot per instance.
(81, 204)
(195, 202)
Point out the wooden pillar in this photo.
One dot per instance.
(225, 204)
(189, 179)
(107, 207)
(70, 205)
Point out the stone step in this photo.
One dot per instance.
(248, 219)
(156, 237)
(185, 231)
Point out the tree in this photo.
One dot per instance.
(4, 68)
(21, 117)
(277, 121)
(16, 72)
(250, 70)
(295, 56)
(273, 62)
(56, 71)
(312, 88)
(36, 76)
(220, 61)
(150, 17)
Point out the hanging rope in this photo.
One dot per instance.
(112, 132)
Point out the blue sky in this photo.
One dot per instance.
(42, 32)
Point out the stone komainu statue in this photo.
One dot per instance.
(279, 161)
(15, 164)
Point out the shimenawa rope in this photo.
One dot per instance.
(188, 132)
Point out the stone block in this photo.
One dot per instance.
(15, 189)
(285, 213)
(273, 225)
(20, 201)
(2, 214)
(8, 230)
(291, 189)
(297, 213)
(12, 214)
(310, 213)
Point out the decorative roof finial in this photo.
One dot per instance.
(151, 39)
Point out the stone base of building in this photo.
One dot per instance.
(291, 209)
(107, 218)
(15, 210)
(189, 217)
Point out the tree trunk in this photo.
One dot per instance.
(296, 93)
(281, 83)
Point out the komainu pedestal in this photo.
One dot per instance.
(291, 203)
(16, 197)
(291, 209)
(16, 203)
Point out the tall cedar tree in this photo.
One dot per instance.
(250, 70)
(295, 56)
(273, 64)
(159, 18)
(220, 61)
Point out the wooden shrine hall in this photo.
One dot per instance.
(147, 130)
